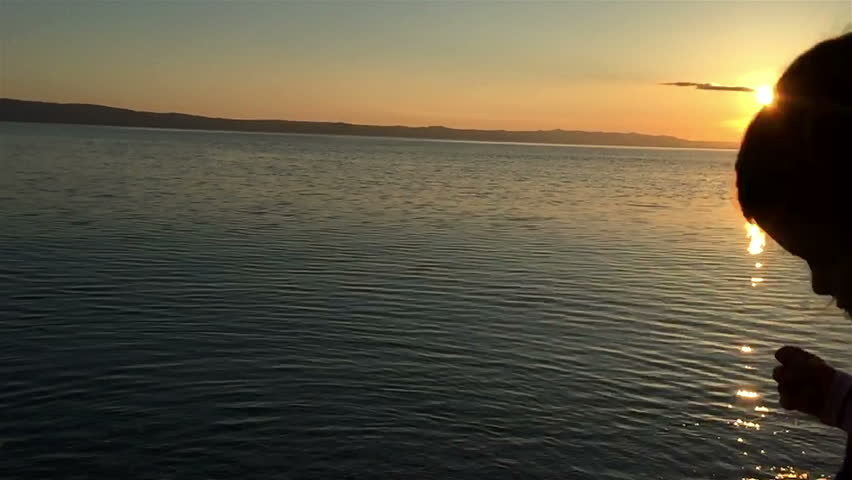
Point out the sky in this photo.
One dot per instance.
(526, 65)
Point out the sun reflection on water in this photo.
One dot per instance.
(757, 239)
(746, 424)
(782, 473)
(750, 394)
(748, 427)
(756, 245)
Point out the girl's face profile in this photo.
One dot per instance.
(821, 246)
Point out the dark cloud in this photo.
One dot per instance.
(710, 86)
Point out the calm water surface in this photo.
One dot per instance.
(182, 305)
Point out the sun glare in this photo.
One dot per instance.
(764, 94)
(757, 239)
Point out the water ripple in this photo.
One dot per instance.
(208, 305)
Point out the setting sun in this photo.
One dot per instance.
(764, 94)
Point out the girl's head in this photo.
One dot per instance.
(794, 169)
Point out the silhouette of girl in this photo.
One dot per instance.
(794, 178)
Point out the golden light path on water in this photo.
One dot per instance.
(749, 394)
(757, 239)
(756, 246)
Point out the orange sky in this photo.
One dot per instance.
(528, 65)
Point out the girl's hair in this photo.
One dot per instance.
(796, 155)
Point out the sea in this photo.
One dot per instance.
(214, 305)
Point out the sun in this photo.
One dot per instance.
(764, 94)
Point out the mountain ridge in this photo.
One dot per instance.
(16, 110)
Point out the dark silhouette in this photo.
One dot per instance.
(794, 172)
(43, 112)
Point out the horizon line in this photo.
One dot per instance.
(730, 144)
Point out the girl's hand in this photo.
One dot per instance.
(804, 380)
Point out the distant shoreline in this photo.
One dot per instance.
(423, 139)
(13, 110)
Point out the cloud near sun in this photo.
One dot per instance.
(710, 86)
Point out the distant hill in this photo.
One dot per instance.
(12, 110)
